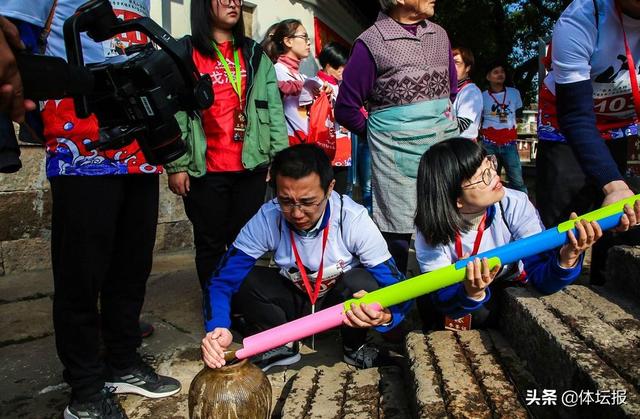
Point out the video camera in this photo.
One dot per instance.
(135, 98)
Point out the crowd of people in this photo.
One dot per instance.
(266, 172)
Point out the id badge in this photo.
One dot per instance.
(463, 323)
(239, 125)
(503, 118)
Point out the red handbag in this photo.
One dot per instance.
(322, 130)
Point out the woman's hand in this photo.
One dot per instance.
(326, 88)
(179, 183)
(588, 234)
(479, 277)
(366, 315)
(213, 346)
(630, 218)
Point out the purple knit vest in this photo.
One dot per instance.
(410, 68)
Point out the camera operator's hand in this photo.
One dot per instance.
(179, 183)
(11, 92)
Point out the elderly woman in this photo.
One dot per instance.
(402, 69)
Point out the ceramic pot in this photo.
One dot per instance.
(237, 391)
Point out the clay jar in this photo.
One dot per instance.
(237, 391)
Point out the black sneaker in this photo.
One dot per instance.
(104, 407)
(142, 379)
(366, 356)
(282, 355)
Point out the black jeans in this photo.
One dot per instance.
(398, 244)
(102, 238)
(219, 205)
(563, 187)
(340, 174)
(267, 299)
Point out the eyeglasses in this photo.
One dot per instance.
(303, 206)
(487, 174)
(227, 3)
(305, 37)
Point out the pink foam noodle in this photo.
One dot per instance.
(295, 330)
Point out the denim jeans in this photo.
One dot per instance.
(508, 158)
(361, 168)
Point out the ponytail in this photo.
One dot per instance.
(273, 43)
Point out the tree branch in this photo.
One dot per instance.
(544, 10)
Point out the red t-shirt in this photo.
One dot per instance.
(223, 153)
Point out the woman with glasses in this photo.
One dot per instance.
(288, 46)
(222, 177)
(463, 210)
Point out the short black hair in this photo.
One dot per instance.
(467, 57)
(301, 160)
(496, 64)
(441, 172)
(201, 24)
(333, 54)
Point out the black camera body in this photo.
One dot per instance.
(136, 99)
(133, 97)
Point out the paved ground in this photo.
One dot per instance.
(586, 338)
(32, 384)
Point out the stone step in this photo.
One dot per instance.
(578, 340)
(340, 391)
(623, 269)
(464, 375)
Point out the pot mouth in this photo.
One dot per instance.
(230, 368)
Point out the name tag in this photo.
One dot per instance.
(463, 323)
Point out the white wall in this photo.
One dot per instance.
(179, 15)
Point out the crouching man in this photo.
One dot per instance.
(326, 250)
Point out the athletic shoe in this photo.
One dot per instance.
(104, 407)
(146, 329)
(142, 379)
(282, 355)
(366, 356)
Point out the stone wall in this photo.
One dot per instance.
(25, 217)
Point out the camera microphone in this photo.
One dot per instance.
(45, 77)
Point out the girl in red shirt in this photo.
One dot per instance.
(223, 176)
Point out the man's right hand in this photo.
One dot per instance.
(213, 346)
(615, 191)
(11, 91)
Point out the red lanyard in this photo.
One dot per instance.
(504, 99)
(313, 294)
(631, 64)
(464, 84)
(476, 244)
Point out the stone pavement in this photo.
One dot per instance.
(583, 339)
(32, 384)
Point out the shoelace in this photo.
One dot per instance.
(109, 404)
(148, 359)
(271, 352)
(148, 370)
(362, 352)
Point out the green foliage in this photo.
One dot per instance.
(502, 30)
